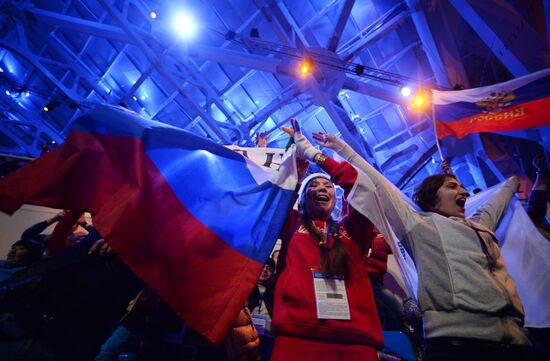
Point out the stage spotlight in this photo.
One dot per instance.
(305, 67)
(420, 100)
(51, 105)
(185, 25)
(406, 91)
(153, 15)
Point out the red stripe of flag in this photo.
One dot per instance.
(204, 280)
(523, 116)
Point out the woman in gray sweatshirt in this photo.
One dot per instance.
(470, 304)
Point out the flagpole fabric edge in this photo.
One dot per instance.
(435, 128)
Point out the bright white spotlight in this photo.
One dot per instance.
(406, 91)
(185, 25)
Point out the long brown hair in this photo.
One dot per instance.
(333, 259)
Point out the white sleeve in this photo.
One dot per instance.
(490, 213)
(399, 214)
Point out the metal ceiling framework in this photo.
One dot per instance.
(240, 75)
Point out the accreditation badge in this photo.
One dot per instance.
(260, 322)
(331, 297)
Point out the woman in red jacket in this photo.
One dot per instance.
(323, 305)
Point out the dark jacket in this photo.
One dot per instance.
(255, 298)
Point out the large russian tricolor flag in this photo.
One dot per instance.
(521, 103)
(192, 218)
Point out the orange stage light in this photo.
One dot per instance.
(305, 67)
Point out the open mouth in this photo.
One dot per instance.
(322, 198)
(461, 202)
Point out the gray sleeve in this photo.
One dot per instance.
(490, 213)
(399, 214)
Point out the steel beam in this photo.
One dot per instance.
(382, 26)
(152, 58)
(295, 115)
(490, 38)
(347, 129)
(430, 47)
(319, 14)
(261, 117)
(225, 44)
(286, 19)
(82, 71)
(278, 28)
(448, 48)
(14, 154)
(35, 61)
(237, 58)
(340, 25)
(29, 119)
(28, 149)
(211, 92)
(373, 91)
(69, 22)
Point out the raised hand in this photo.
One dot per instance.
(288, 131)
(304, 149)
(261, 140)
(328, 140)
(57, 217)
(446, 167)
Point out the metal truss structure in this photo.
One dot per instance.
(239, 75)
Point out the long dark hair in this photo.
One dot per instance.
(333, 259)
(425, 194)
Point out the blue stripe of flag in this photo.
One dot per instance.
(222, 195)
(211, 181)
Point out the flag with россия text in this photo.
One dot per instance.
(512, 108)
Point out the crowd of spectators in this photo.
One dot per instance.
(66, 296)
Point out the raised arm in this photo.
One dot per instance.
(357, 225)
(490, 212)
(399, 214)
(536, 205)
(34, 232)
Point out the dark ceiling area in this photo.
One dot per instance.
(240, 72)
